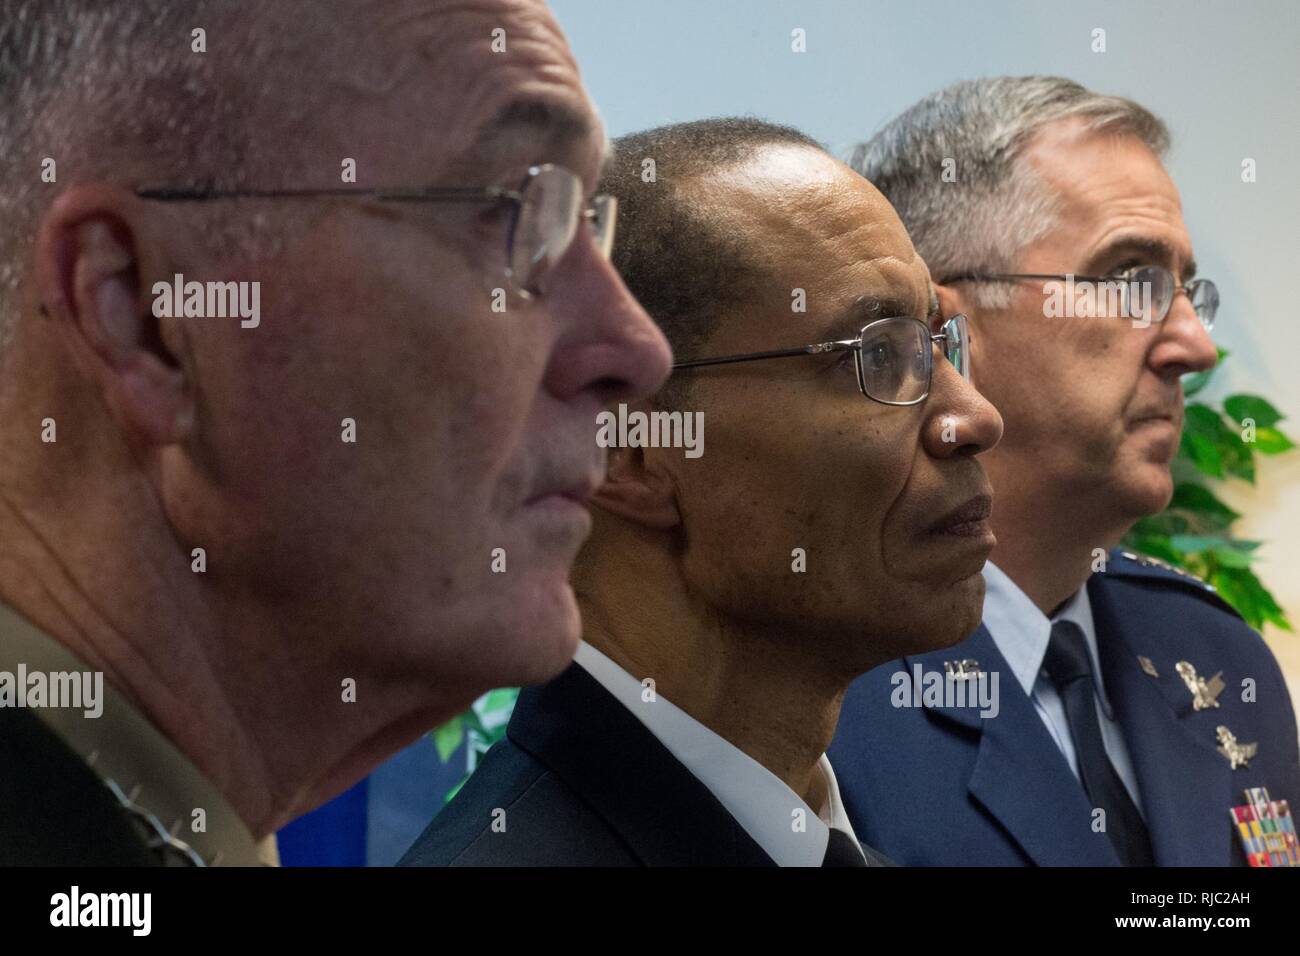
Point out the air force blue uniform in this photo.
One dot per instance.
(942, 785)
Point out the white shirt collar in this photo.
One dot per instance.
(758, 799)
(1021, 631)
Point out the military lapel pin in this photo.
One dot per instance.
(1147, 666)
(1204, 694)
(1238, 754)
(962, 670)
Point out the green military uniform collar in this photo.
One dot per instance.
(123, 746)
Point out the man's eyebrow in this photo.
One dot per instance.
(868, 308)
(1147, 249)
(549, 131)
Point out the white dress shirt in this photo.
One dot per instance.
(1021, 632)
(758, 799)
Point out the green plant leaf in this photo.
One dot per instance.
(1163, 525)
(1253, 601)
(1229, 552)
(1238, 594)
(499, 699)
(1241, 407)
(1201, 419)
(448, 738)
(1157, 546)
(1195, 381)
(1202, 452)
(456, 789)
(1191, 544)
(1230, 557)
(1195, 531)
(1201, 502)
(1212, 445)
(1270, 441)
(1239, 460)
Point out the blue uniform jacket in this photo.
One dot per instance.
(944, 786)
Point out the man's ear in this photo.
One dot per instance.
(952, 301)
(92, 254)
(639, 489)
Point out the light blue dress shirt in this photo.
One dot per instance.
(1021, 632)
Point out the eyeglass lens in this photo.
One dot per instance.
(1150, 291)
(547, 220)
(895, 360)
(956, 334)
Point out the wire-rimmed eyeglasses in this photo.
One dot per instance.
(894, 356)
(1159, 283)
(546, 211)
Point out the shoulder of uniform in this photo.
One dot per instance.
(1134, 564)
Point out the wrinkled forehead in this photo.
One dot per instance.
(829, 227)
(436, 91)
(1101, 178)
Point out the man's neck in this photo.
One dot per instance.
(1048, 556)
(762, 693)
(269, 729)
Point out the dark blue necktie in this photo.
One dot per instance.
(1069, 668)
(841, 850)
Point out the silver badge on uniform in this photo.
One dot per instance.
(1205, 694)
(962, 670)
(1238, 754)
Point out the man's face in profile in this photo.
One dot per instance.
(443, 536)
(798, 458)
(1099, 418)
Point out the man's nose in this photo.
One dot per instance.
(959, 420)
(608, 344)
(1183, 344)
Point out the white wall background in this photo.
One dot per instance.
(1225, 76)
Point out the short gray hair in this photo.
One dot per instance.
(112, 90)
(998, 206)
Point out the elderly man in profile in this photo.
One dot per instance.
(290, 546)
(1140, 717)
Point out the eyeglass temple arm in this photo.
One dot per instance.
(840, 346)
(779, 353)
(1012, 276)
(447, 194)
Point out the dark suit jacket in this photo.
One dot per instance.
(943, 786)
(583, 783)
(54, 810)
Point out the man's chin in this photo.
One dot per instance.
(1145, 491)
(954, 619)
(967, 611)
(542, 633)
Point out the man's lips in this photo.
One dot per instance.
(1153, 417)
(969, 519)
(579, 492)
(1167, 411)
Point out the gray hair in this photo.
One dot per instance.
(112, 90)
(982, 128)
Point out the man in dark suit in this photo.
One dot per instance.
(1134, 708)
(732, 589)
(264, 523)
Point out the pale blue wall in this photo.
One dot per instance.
(1224, 76)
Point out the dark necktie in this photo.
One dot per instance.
(1069, 668)
(841, 850)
